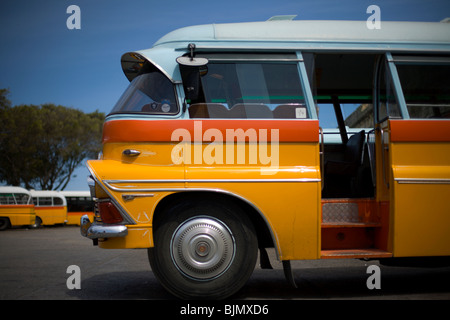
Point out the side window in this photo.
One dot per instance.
(425, 84)
(250, 90)
(21, 198)
(57, 201)
(45, 201)
(7, 198)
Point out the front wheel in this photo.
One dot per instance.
(4, 224)
(37, 223)
(204, 251)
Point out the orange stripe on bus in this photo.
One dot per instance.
(161, 130)
(420, 130)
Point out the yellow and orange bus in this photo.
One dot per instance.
(320, 139)
(79, 203)
(16, 207)
(50, 206)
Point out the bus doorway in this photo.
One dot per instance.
(355, 222)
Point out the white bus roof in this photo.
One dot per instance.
(10, 189)
(48, 193)
(45, 193)
(76, 193)
(291, 35)
(315, 31)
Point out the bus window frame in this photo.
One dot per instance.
(15, 198)
(398, 92)
(395, 60)
(291, 57)
(390, 63)
(306, 87)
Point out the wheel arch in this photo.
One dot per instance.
(5, 223)
(264, 232)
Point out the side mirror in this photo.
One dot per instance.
(192, 62)
(191, 69)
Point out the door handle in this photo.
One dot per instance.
(131, 153)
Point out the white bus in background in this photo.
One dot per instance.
(79, 203)
(50, 207)
(16, 207)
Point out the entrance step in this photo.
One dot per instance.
(356, 212)
(342, 211)
(355, 254)
(354, 223)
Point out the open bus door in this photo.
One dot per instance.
(354, 220)
(413, 130)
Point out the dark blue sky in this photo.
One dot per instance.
(42, 61)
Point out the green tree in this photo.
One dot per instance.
(4, 102)
(41, 146)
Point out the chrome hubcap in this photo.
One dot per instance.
(202, 248)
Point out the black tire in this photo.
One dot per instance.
(204, 251)
(37, 223)
(4, 224)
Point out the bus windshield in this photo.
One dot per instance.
(149, 93)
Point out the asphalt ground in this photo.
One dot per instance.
(34, 266)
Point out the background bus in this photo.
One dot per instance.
(79, 203)
(16, 207)
(50, 207)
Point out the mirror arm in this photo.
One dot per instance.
(191, 47)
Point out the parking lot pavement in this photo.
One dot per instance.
(34, 266)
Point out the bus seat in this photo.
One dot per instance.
(341, 177)
(251, 111)
(352, 157)
(290, 111)
(208, 110)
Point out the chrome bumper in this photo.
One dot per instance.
(94, 230)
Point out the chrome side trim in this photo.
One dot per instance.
(421, 181)
(212, 180)
(109, 183)
(130, 197)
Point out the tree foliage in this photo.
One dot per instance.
(41, 146)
